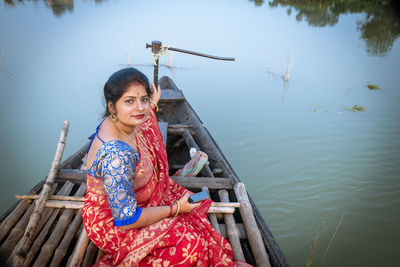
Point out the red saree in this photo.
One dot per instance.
(186, 240)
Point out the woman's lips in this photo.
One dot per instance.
(139, 116)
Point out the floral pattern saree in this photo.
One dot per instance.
(185, 240)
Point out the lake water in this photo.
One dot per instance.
(283, 113)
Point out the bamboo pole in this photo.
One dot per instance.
(12, 218)
(39, 240)
(231, 230)
(10, 244)
(253, 233)
(53, 197)
(77, 256)
(27, 238)
(58, 232)
(15, 234)
(65, 189)
(89, 255)
(79, 205)
(212, 217)
(62, 249)
(100, 254)
(239, 226)
(82, 199)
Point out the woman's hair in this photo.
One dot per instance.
(119, 82)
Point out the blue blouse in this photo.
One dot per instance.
(115, 164)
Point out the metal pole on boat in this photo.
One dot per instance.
(155, 49)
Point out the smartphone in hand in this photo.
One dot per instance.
(198, 197)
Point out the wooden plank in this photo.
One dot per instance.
(68, 199)
(62, 249)
(51, 244)
(59, 204)
(187, 182)
(74, 175)
(239, 226)
(91, 252)
(253, 233)
(212, 217)
(37, 244)
(77, 256)
(12, 219)
(168, 95)
(199, 182)
(231, 230)
(65, 190)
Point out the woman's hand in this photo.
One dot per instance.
(156, 93)
(185, 206)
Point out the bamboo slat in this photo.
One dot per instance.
(65, 189)
(12, 218)
(33, 221)
(78, 205)
(58, 232)
(89, 255)
(231, 230)
(10, 244)
(36, 245)
(53, 197)
(82, 199)
(79, 251)
(60, 204)
(212, 217)
(100, 253)
(62, 249)
(239, 226)
(15, 234)
(197, 183)
(253, 233)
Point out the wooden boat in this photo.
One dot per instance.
(58, 239)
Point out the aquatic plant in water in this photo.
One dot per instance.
(371, 86)
(316, 240)
(357, 108)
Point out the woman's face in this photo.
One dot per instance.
(132, 109)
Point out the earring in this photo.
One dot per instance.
(155, 105)
(113, 118)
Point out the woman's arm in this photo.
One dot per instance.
(152, 215)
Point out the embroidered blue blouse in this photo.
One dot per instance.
(115, 164)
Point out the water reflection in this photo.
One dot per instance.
(379, 29)
(58, 7)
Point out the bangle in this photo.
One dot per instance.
(178, 208)
(155, 105)
(170, 209)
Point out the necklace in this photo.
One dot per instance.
(137, 146)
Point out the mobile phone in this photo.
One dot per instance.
(198, 197)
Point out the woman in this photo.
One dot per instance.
(133, 211)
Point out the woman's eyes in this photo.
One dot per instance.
(144, 100)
